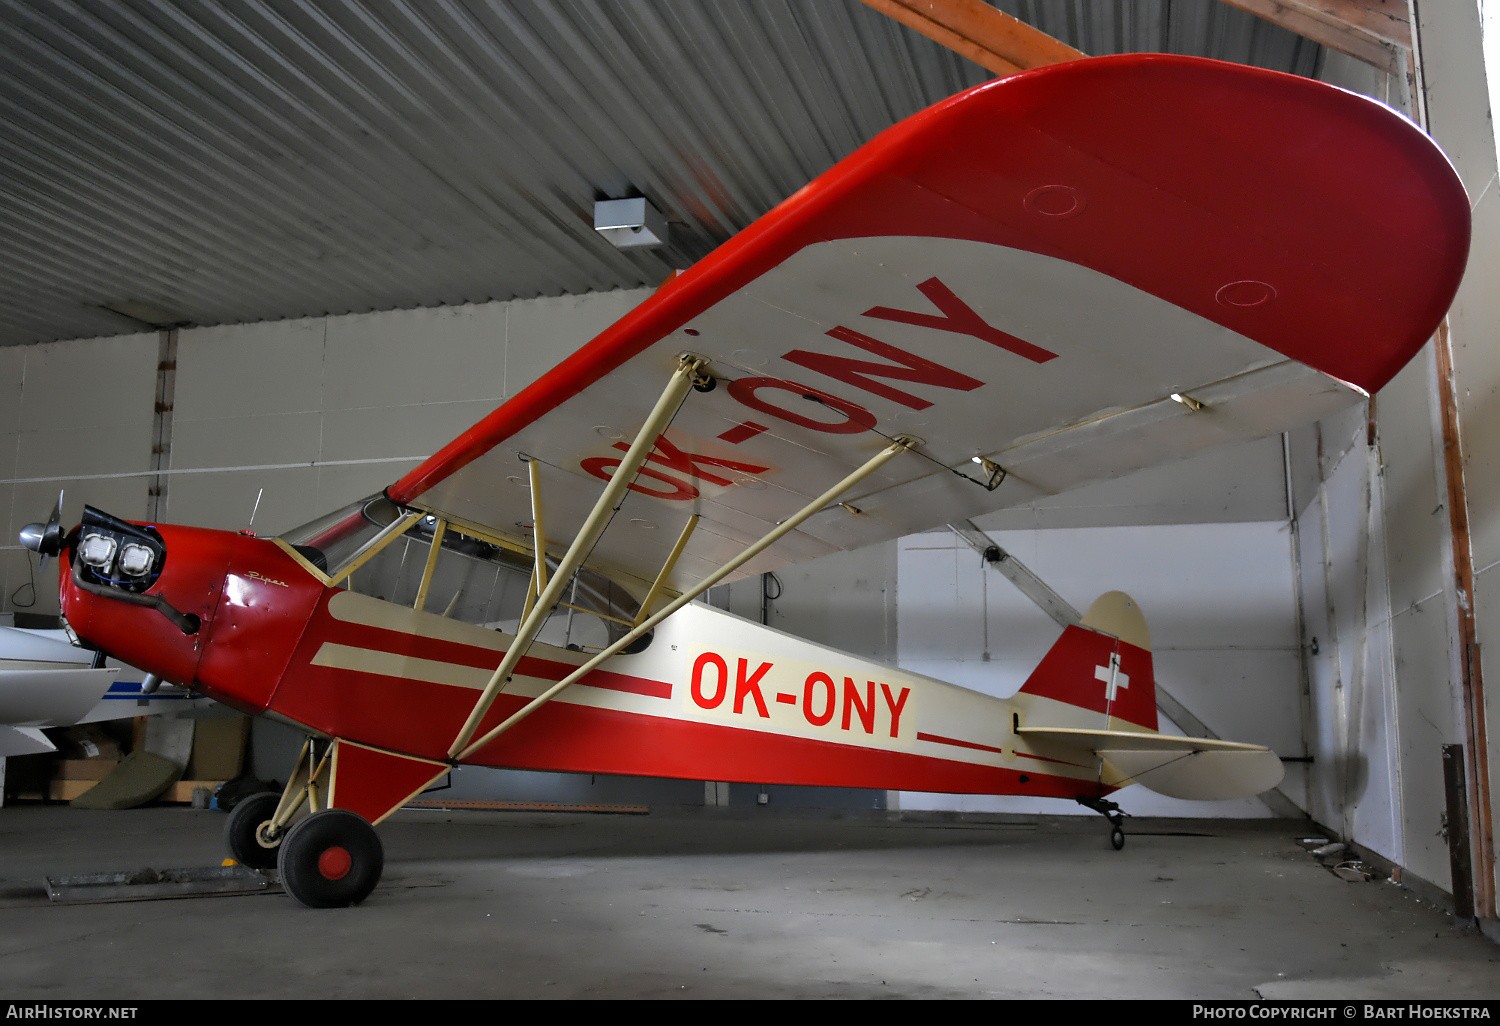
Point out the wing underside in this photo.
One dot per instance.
(1053, 279)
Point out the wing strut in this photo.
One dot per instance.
(666, 570)
(438, 531)
(822, 502)
(689, 369)
(538, 538)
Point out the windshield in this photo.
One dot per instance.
(332, 539)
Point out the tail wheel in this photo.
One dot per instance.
(331, 859)
(1110, 811)
(244, 833)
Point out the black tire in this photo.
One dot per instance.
(331, 859)
(241, 832)
(1117, 838)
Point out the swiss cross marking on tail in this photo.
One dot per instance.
(1113, 679)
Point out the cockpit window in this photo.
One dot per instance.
(473, 580)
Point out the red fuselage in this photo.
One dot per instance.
(272, 636)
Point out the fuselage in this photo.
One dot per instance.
(713, 696)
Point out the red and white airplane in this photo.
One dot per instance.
(1056, 277)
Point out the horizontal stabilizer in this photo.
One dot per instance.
(1192, 768)
(1107, 742)
(1204, 776)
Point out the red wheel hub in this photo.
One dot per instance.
(334, 863)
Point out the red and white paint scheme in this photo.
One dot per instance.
(1054, 278)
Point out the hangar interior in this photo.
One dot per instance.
(264, 257)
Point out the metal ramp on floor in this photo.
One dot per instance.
(152, 884)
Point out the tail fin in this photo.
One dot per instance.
(1099, 673)
(1095, 690)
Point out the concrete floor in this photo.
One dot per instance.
(736, 904)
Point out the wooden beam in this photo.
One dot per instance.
(1471, 678)
(1389, 20)
(971, 28)
(1373, 31)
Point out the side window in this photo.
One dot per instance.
(481, 583)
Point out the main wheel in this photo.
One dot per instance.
(331, 859)
(1117, 838)
(243, 834)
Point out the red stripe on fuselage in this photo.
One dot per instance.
(1043, 758)
(939, 739)
(421, 718)
(380, 639)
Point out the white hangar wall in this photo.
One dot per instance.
(101, 455)
(1397, 529)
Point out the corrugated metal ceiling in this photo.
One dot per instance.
(219, 161)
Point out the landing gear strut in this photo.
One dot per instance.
(326, 857)
(1110, 811)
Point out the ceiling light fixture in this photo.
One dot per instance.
(630, 223)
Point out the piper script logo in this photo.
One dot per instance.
(263, 579)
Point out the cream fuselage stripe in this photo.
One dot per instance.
(480, 649)
(395, 664)
(434, 671)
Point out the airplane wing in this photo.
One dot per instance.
(1070, 273)
(35, 697)
(47, 682)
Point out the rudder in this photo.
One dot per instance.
(1100, 672)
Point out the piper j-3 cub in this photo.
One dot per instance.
(1052, 278)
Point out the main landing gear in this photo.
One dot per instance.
(1110, 811)
(326, 859)
(329, 859)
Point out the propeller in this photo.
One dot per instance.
(45, 539)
